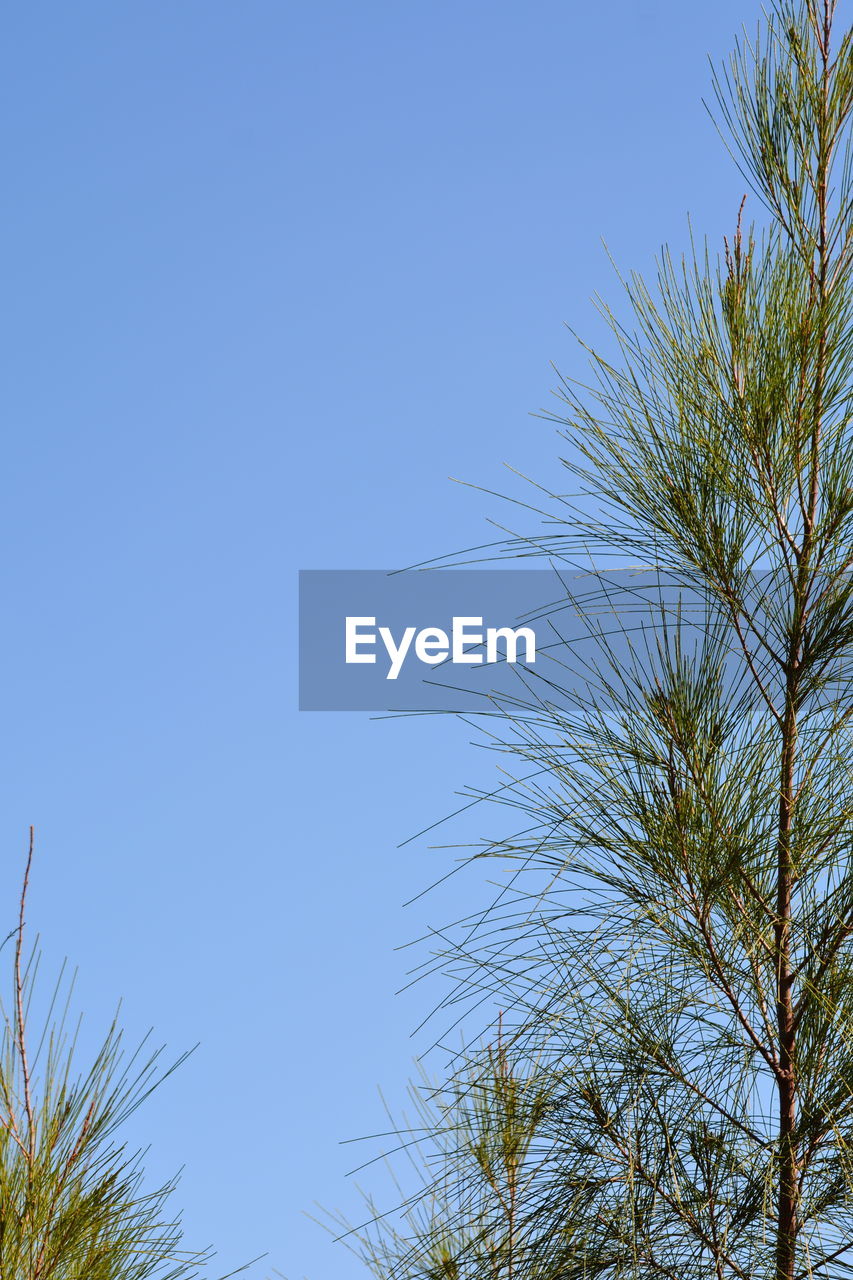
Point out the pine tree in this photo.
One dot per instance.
(676, 953)
(74, 1204)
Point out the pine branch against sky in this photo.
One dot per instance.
(676, 961)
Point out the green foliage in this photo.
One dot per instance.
(481, 1133)
(73, 1203)
(675, 944)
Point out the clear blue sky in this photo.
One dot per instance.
(272, 272)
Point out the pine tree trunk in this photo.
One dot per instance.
(786, 1238)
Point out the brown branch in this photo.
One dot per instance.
(19, 1005)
